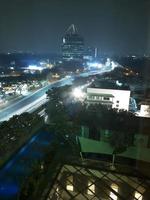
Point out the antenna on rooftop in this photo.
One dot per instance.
(72, 29)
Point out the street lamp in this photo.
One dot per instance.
(77, 93)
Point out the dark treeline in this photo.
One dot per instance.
(15, 131)
(140, 65)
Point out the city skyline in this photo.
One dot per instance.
(74, 99)
(115, 27)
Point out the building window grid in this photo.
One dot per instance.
(115, 188)
(138, 196)
(84, 189)
(131, 194)
(69, 183)
(94, 194)
(59, 191)
(106, 186)
(59, 194)
(91, 188)
(64, 188)
(83, 192)
(131, 180)
(87, 174)
(106, 98)
(117, 178)
(96, 97)
(96, 183)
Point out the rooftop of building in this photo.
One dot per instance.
(103, 84)
(72, 32)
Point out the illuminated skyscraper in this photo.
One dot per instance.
(90, 54)
(72, 45)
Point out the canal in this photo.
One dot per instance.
(18, 167)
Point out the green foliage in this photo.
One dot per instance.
(122, 124)
(55, 107)
(118, 140)
(13, 133)
(31, 182)
(42, 174)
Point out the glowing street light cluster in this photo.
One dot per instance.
(95, 65)
(78, 93)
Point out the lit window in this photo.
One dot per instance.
(91, 97)
(115, 188)
(91, 188)
(69, 185)
(138, 196)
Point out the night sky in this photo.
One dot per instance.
(114, 26)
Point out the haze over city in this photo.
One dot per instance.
(113, 26)
(74, 99)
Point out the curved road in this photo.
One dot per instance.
(31, 100)
(37, 98)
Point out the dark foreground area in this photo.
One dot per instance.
(12, 175)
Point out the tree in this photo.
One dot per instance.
(60, 118)
(55, 108)
(31, 182)
(15, 131)
(124, 127)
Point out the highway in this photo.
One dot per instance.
(31, 102)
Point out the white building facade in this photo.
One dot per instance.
(112, 98)
(144, 108)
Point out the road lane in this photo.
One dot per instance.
(35, 98)
(16, 107)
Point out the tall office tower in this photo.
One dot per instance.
(72, 45)
(90, 54)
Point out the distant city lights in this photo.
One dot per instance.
(35, 67)
(94, 65)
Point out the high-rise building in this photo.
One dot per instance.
(90, 54)
(72, 45)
